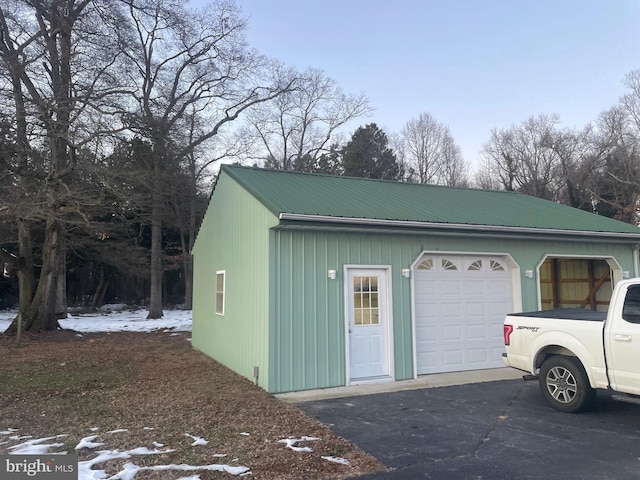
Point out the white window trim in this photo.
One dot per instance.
(224, 291)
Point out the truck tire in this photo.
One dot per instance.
(565, 384)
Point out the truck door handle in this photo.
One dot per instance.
(622, 338)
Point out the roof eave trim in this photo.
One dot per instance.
(449, 226)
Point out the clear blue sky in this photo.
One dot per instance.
(472, 64)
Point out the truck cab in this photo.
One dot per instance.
(622, 339)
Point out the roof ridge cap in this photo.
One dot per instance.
(366, 179)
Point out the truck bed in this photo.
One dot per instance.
(565, 314)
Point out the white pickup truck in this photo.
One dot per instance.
(574, 351)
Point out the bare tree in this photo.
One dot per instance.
(58, 59)
(523, 158)
(455, 170)
(302, 123)
(613, 172)
(577, 153)
(188, 62)
(594, 169)
(431, 153)
(630, 106)
(188, 194)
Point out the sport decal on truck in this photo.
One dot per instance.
(525, 327)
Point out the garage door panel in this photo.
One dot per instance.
(499, 308)
(453, 332)
(427, 332)
(496, 330)
(478, 356)
(450, 310)
(498, 287)
(425, 288)
(477, 332)
(475, 309)
(451, 288)
(428, 305)
(474, 288)
(453, 358)
(429, 359)
(459, 313)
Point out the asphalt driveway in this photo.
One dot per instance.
(493, 430)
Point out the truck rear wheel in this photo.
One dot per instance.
(565, 384)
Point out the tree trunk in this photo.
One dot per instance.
(155, 297)
(101, 290)
(61, 288)
(187, 246)
(40, 314)
(26, 279)
(188, 282)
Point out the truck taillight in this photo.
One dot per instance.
(507, 329)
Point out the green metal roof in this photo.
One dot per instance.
(327, 198)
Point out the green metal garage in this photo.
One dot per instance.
(305, 281)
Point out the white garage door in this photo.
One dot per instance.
(460, 304)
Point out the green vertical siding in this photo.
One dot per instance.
(308, 326)
(234, 237)
(307, 332)
(529, 254)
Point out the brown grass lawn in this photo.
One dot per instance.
(159, 389)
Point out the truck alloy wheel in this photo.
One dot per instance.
(565, 385)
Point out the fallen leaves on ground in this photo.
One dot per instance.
(150, 389)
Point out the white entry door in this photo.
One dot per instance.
(368, 324)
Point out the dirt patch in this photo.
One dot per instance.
(160, 390)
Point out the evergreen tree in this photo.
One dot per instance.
(368, 155)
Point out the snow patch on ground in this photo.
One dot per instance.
(197, 440)
(116, 318)
(292, 442)
(86, 470)
(340, 460)
(88, 442)
(35, 447)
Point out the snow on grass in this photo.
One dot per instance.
(86, 470)
(130, 469)
(88, 442)
(90, 469)
(35, 447)
(340, 460)
(116, 318)
(292, 442)
(197, 440)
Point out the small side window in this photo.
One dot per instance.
(220, 284)
(631, 308)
